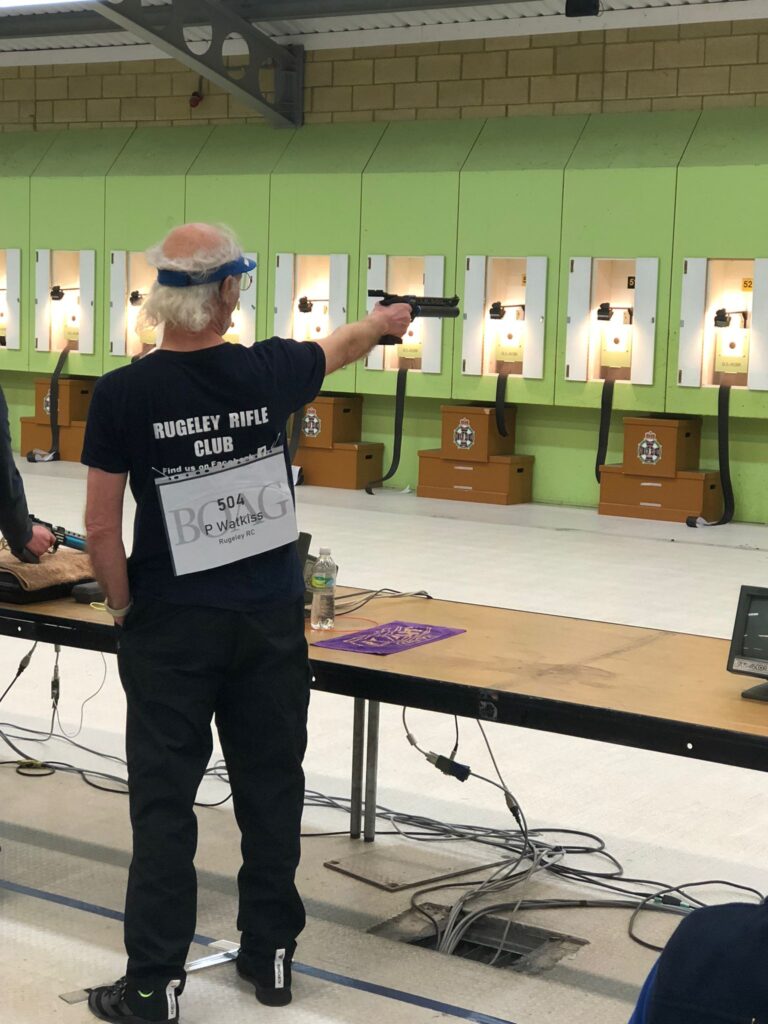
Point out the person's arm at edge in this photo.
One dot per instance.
(351, 342)
(15, 524)
(104, 528)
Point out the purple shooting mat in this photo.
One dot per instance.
(391, 638)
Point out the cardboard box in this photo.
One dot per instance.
(660, 447)
(691, 493)
(503, 480)
(331, 419)
(74, 399)
(351, 466)
(38, 435)
(469, 432)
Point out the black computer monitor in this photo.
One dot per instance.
(749, 644)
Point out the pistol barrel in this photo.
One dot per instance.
(437, 312)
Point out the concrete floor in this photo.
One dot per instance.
(65, 846)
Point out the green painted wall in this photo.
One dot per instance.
(619, 202)
(229, 183)
(510, 204)
(68, 209)
(722, 213)
(19, 391)
(409, 210)
(315, 204)
(20, 154)
(363, 189)
(145, 198)
(563, 443)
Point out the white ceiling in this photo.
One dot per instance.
(519, 18)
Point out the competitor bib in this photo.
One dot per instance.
(224, 515)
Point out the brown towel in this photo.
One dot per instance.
(63, 566)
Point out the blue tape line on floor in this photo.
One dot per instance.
(473, 1016)
(73, 904)
(402, 997)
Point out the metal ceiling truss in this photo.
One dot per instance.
(90, 23)
(166, 28)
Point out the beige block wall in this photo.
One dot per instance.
(689, 67)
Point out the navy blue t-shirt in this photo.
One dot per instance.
(173, 412)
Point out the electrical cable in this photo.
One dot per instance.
(397, 441)
(525, 852)
(540, 855)
(96, 692)
(371, 595)
(683, 890)
(23, 665)
(455, 750)
(604, 430)
(500, 404)
(491, 754)
(724, 463)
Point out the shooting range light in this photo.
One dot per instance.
(723, 317)
(613, 335)
(57, 293)
(606, 312)
(498, 310)
(136, 298)
(731, 341)
(312, 326)
(306, 305)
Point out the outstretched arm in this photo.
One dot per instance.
(351, 342)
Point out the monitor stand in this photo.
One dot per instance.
(759, 692)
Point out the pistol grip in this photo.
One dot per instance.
(390, 339)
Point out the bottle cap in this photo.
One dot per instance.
(325, 551)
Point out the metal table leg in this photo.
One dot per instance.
(371, 771)
(358, 746)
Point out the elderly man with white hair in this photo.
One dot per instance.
(209, 608)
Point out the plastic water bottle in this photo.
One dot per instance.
(323, 586)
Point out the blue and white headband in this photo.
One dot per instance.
(181, 279)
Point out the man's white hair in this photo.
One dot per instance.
(191, 308)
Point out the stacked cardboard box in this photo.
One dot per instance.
(330, 452)
(660, 476)
(475, 462)
(74, 398)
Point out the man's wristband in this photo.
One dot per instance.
(118, 613)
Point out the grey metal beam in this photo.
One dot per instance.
(31, 26)
(289, 10)
(81, 23)
(166, 30)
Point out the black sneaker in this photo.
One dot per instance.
(271, 980)
(130, 1004)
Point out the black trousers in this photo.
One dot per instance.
(181, 667)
